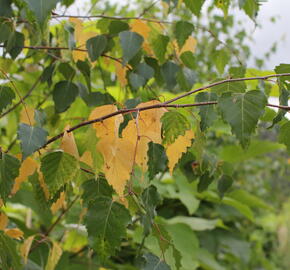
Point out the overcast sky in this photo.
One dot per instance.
(263, 37)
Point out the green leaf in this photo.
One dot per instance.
(96, 46)
(31, 138)
(241, 207)
(169, 71)
(283, 68)
(188, 59)
(118, 26)
(9, 257)
(207, 260)
(41, 8)
(136, 80)
(242, 112)
(251, 8)
(207, 113)
(186, 78)
(85, 68)
(9, 170)
(67, 71)
(150, 199)
(47, 74)
(6, 97)
(64, 94)
(131, 43)
(94, 188)
(205, 180)
(6, 10)
(106, 222)
(154, 262)
(283, 100)
(174, 124)
(157, 159)
(284, 135)
(235, 153)
(221, 59)
(194, 6)
(159, 45)
(145, 71)
(182, 31)
(15, 44)
(224, 183)
(5, 29)
(58, 168)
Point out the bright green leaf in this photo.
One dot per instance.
(284, 135)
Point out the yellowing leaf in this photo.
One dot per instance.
(148, 127)
(60, 203)
(25, 248)
(27, 168)
(81, 38)
(109, 128)
(141, 28)
(1, 203)
(174, 151)
(87, 158)
(121, 72)
(14, 233)
(43, 185)
(3, 221)
(118, 156)
(189, 45)
(27, 116)
(53, 256)
(68, 143)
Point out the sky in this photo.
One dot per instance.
(263, 37)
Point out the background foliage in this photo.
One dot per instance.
(139, 139)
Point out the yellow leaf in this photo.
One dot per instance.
(14, 233)
(87, 158)
(141, 28)
(60, 203)
(68, 143)
(81, 38)
(189, 45)
(1, 203)
(53, 257)
(118, 156)
(174, 151)
(27, 116)
(121, 72)
(27, 168)
(25, 248)
(109, 128)
(43, 185)
(3, 221)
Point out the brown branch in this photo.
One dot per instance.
(167, 105)
(22, 99)
(101, 16)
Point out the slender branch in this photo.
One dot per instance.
(101, 16)
(22, 99)
(167, 105)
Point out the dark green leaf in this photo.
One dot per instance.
(106, 222)
(136, 80)
(85, 68)
(5, 29)
(283, 100)
(94, 188)
(9, 170)
(31, 138)
(157, 159)
(6, 97)
(47, 74)
(207, 113)
(152, 62)
(96, 46)
(118, 26)
(64, 94)
(205, 180)
(174, 124)
(9, 257)
(41, 8)
(131, 43)
(182, 31)
(145, 71)
(150, 199)
(67, 71)
(159, 45)
(224, 183)
(194, 6)
(186, 78)
(5, 10)
(58, 168)
(94, 99)
(15, 44)
(242, 112)
(284, 135)
(153, 262)
(169, 71)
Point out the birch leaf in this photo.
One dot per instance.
(68, 143)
